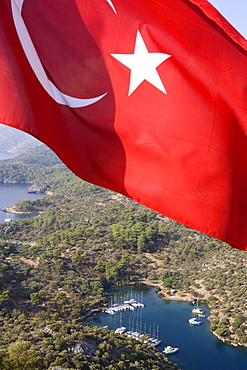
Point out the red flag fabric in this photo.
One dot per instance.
(146, 97)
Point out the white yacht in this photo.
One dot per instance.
(169, 349)
(194, 321)
(153, 341)
(120, 330)
(134, 303)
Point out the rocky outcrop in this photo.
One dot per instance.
(84, 347)
(35, 188)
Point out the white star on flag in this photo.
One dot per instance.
(143, 65)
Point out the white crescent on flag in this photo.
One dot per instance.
(112, 6)
(36, 64)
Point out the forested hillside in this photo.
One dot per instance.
(56, 267)
(15, 141)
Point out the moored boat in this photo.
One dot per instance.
(154, 341)
(134, 303)
(169, 350)
(194, 321)
(198, 311)
(120, 330)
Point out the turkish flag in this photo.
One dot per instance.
(146, 98)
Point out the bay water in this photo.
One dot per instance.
(11, 194)
(199, 349)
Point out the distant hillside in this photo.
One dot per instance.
(15, 141)
(40, 155)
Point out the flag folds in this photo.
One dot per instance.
(147, 98)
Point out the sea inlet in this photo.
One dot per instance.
(199, 349)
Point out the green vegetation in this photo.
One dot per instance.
(56, 267)
(72, 346)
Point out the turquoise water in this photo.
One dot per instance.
(12, 193)
(198, 348)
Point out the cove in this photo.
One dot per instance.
(11, 194)
(199, 349)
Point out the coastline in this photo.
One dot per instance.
(186, 297)
(14, 211)
(163, 293)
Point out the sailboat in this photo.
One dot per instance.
(7, 219)
(121, 329)
(197, 311)
(154, 340)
